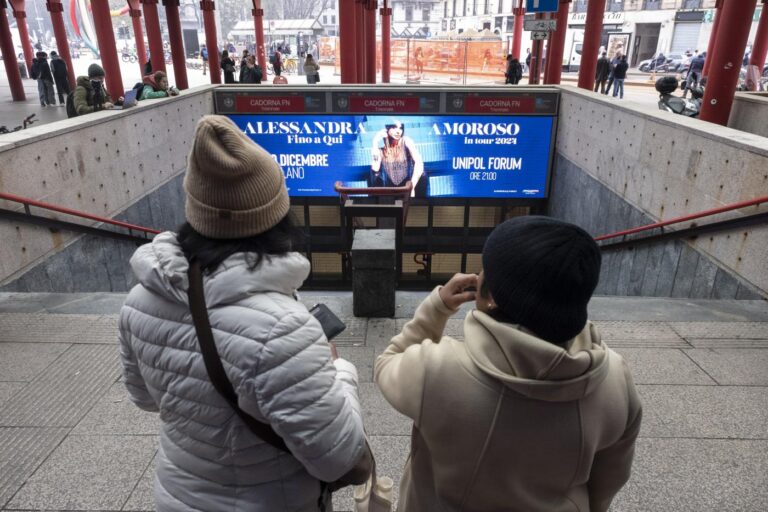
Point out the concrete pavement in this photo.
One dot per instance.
(71, 440)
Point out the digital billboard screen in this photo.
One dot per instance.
(444, 155)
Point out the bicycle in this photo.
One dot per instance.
(129, 57)
(24, 124)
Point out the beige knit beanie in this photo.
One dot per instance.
(234, 187)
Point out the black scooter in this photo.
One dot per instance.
(666, 85)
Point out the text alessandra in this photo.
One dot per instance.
(349, 128)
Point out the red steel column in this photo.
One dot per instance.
(713, 37)
(348, 41)
(517, 35)
(21, 23)
(360, 44)
(592, 32)
(557, 44)
(760, 46)
(56, 8)
(134, 12)
(208, 6)
(726, 61)
(178, 54)
(152, 20)
(258, 24)
(9, 56)
(105, 35)
(386, 44)
(370, 41)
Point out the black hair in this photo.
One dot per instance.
(284, 237)
(395, 125)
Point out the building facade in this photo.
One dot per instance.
(638, 28)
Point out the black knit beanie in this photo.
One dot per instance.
(541, 273)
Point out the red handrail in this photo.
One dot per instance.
(84, 215)
(684, 218)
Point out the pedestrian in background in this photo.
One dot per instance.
(60, 76)
(239, 245)
(619, 75)
(41, 71)
(228, 66)
(204, 56)
(514, 71)
(277, 60)
(156, 86)
(614, 62)
(694, 73)
(602, 72)
(528, 60)
(243, 60)
(90, 95)
(532, 411)
(251, 73)
(311, 69)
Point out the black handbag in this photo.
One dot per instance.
(363, 468)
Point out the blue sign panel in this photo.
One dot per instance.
(541, 5)
(490, 156)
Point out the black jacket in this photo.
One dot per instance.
(251, 75)
(59, 69)
(514, 71)
(620, 71)
(603, 69)
(41, 70)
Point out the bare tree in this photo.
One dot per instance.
(295, 9)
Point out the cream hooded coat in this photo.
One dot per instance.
(279, 362)
(505, 421)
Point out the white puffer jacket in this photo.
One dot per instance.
(278, 360)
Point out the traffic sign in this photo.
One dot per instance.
(541, 5)
(539, 35)
(539, 25)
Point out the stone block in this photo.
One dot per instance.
(374, 276)
(373, 249)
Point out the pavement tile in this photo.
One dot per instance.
(8, 389)
(729, 330)
(727, 343)
(379, 417)
(24, 361)
(636, 331)
(66, 391)
(380, 331)
(354, 334)
(734, 367)
(21, 452)
(142, 497)
(663, 366)
(362, 358)
(95, 303)
(115, 414)
(45, 328)
(13, 326)
(697, 475)
(88, 473)
(704, 412)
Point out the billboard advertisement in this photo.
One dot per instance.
(444, 155)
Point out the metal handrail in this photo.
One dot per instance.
(27, 202)
(684, 218)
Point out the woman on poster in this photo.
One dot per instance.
(395, 158)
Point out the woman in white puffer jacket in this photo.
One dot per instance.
(273, 350)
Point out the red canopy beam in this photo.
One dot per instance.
(592, 33)
(386, 43)
(134, 11)
(21, 23)
(258, 25)
(156, 50)
(56, 8)
(557, 45)
(9, 56)
(713, 37)
(105, 35)
(348, 41)
(209, 20)
(726, 61)
(178, 54)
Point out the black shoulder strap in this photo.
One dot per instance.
(213, 362)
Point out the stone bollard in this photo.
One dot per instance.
(374, 274)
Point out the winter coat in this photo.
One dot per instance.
(41, 70)
(229, 76)
(507, 421)
(59, 70)
(312, 70)
(603, 69)
(251, 75)
(514, 71)
(151, 90)
(620, 71)
(278, 361)
(85, 98)
(697, 64)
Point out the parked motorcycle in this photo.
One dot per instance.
(666, 85)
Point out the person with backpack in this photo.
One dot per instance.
(234, 268)
(532, 411)
(277, 61)
(156, 86)
(251, 72)
(514, 71)
(89, 95)
(41, 71)
(204, 56)
(59, 70)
